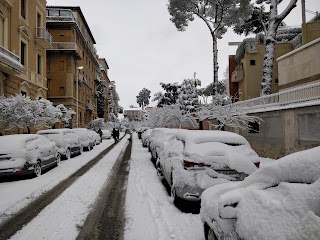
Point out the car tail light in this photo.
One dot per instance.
(188, 165)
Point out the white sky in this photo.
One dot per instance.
(143, 47)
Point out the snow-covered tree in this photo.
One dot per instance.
(227, 113)
(124, 123)
(269, 22)
(169, 116)
(22, 112)
(100, 95)
(188, 97)
(169, 97)
(216, 14)
(66, 114)
(96, 124)
(143, 97)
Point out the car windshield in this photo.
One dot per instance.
(51, 136)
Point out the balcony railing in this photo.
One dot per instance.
(10, 59)
(296, 97)
(65, 15)
(66, 46)
(44, 38)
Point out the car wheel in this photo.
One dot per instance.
(58, 159)
(68, 154)
(37, 169)
(212, 235)
(159, 171)
(80, 150)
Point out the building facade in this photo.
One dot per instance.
(248, 72)
(133, 114)
(23, 43)
(72, 63)
(104, 73)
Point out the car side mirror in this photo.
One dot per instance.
(228, 211)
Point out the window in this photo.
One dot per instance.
(61, 65)
(39, 22)
(254, 127)
(23, 53)
(252, 62)
(39, 64)
(61, 91)
(23, 9)
(1, 31)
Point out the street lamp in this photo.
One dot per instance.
(77, 92)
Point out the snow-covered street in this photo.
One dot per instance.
(150, 212)
(147, 203)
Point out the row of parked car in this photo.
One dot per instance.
(23, 154)
(235, 186)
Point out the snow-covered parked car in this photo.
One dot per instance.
(145, 136)
(281, 200)
(68, 142)
(86, 139)
(23, 154)
(157, 139)
(194, 160)
(95, 137)
(106, 134)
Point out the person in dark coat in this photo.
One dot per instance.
(115, 135)
(100, 133)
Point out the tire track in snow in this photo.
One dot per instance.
(27, 214)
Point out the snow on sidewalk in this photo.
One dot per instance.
(150, 213)
(17, 194)
(63, 217)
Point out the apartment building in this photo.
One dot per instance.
(104, 73)
(248, 71)
(72, 63)
(133, 114)
(23, 43)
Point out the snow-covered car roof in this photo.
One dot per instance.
(202, 136)
(13, 142)
(299, 167)
(57, 131)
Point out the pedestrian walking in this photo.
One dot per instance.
(115, 135)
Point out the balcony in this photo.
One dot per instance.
(66, 46)
(9, 62)
(237, 75)
(43, 38)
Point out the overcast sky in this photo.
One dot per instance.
(143, 47)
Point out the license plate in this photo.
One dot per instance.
(227, 172)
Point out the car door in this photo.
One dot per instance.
(47, 151)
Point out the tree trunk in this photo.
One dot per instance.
(274, 21)
(215, 64)
(266, 83)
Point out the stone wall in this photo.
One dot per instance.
(285, 131)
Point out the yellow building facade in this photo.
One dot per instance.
(72, 63)
(248, 73)
(23, 43)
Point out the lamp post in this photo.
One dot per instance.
(77, 93)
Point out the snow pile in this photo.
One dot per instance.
(278, 201)
(289, 211)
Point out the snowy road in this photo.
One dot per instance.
(17, 194)
(150, 213)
